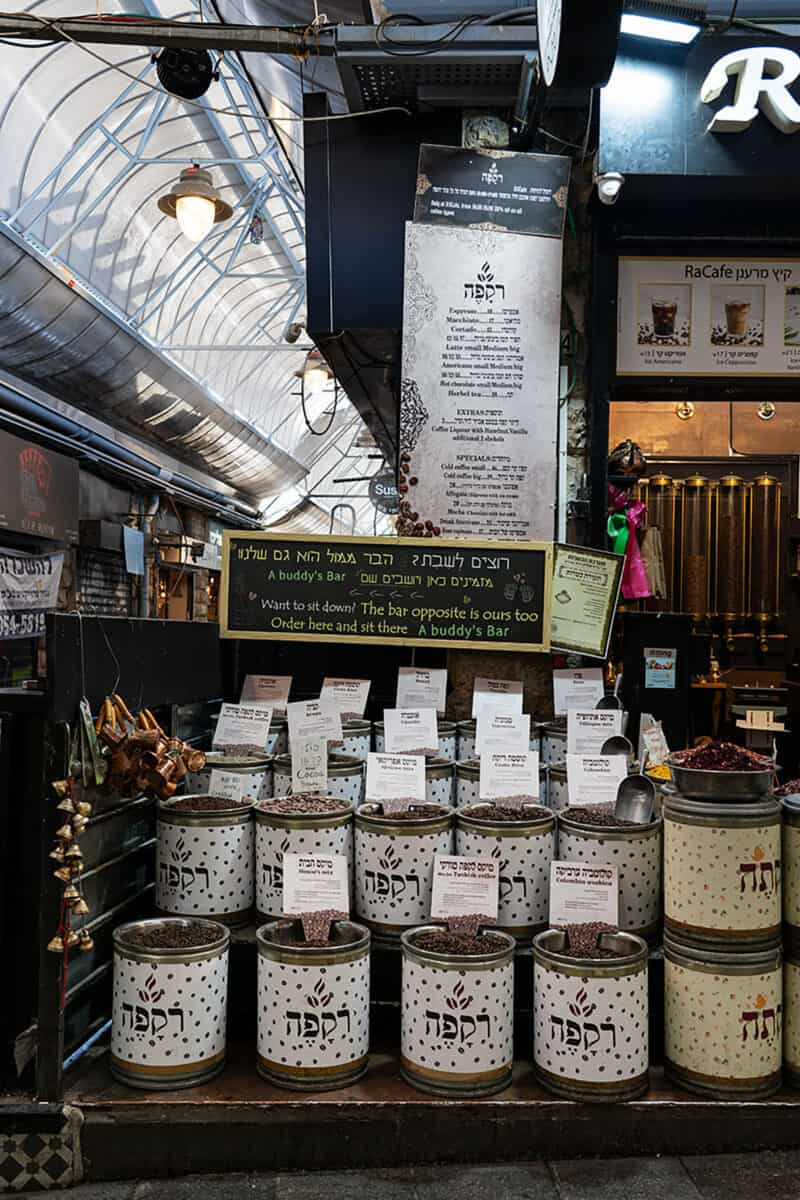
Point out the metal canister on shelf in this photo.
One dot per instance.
(467, 784)
(554, 742)
(357, 734)
(557, 788)
(524, 850)
(440, 781)
(590, 1018)
(791, 1016)
(205, 861)
(447, 739)
(279, 833)
(313, 1006)
(635, 850)
(457, 1018)
(253, 773)
(169, 1006)
(278, 740)
(722, 1020)
(345, 777)
(790, 870)
(722, 872)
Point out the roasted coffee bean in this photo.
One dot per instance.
(170, 936)
(601, 815)
(402, 487)
(303, 804)
(413, 481)
(436, 531)
(582, 941)
(418, 812)
(499, 812)
(198, 804)
(446, 942)
(788, 789)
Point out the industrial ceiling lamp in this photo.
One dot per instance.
(315, 372)
(195, 203)
(186, 73)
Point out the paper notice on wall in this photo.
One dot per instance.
(581, 893)
(588, 731)
(496, 695)
(242, 729)
(271, 691)
(509, 779)
(593, 780)
(411, 731)
(349, 695)
(28, 588)
(577, 689)
(660, 667)
(502, 732)
(464, 887)
(421, 688)
(395, 780)
(310, 764)
(230, 785)
(315, 883)
(314, 718)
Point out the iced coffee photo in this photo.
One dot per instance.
(665, 312)
(737, 316)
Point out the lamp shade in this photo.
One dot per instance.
(195, 203)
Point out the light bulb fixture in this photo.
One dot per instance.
(658, 30)
(195, 203)
(315, 372)
(609, 186)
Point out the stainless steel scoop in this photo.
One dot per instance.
(636, 797)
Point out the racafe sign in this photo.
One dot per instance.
(763, 75)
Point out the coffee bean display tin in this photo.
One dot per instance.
(394, 867)
(357, 736)
(294, 833)
(554, 743)
(447, 739)
(635, 851)
(722, 872)
(524, 851)
(169, 1005)
(467, 784)
(466, 739)
(457, 1018)
(790, 871)
(313, 1006)
(205, 862)
(345, 777)
(440, 781)
(590, 1019)
(254, 772)
(791, 1017)
(557, 788)
(723, 1020)
(278, 740)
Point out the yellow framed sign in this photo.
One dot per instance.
(386, 591)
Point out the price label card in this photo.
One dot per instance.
(580, 893)
(314, 718)
(422, 689)
(464, 887)
(411, 731)
(496, 695)
(310, 764)
(395, 780)
(588, 731)
(595, 780)
(269, 690)
(315, 883)
(502, 732)
(577, 689)
(242, 729)
(349, 695)
(228, 784)
(510, 779)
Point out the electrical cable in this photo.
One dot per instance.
(400, 48)
(62, 35)
(512, 16)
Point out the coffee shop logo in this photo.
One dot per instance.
(177, 875)
(485, 288)
(577, 1032)
(35, 474)
(492, 176)
(319, 1021)
(762, 876)
(763, 77)
(272, 873)
(150, 1019)
(457, 1025)
(761, 1023)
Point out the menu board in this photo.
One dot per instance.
(708, 316)
(388, 591)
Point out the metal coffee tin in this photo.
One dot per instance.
(457, 1019)
(345, 777)
(590, 1019)
(447, 739)
(554, 742)
(791, 1017)
(467, 784)
(722, 1020)
(295, 833)
(357, 735)
(722, 872)
(558, 790)
(254, 770)
(790, 864)
(439, 781)
(205, 863)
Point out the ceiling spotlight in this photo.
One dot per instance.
(609, 186)
(658, 29)
(195, 203)
(185, 73)
(315, 372)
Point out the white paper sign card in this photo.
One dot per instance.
(504, 732)
(267, 690)
(314, 718)
(577, 689)
(593, 780)
(588, 731)
(419, 688)
(310, 764)
(395, 778)
(496, 695)
(512, 779)
(410, 731)
(465, 887)
(349, 695)
(227, 784)
(242, 729)
(580, 893)
(315, 883)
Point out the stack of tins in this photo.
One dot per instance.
(791, 940)
(722, 916)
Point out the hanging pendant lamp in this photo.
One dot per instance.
(195, 203)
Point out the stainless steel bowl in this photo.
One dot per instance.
(721, 785)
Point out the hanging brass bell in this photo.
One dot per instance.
(76, 866)
(73, 939)
(66, 805)
(58, 854)
(85, 940)
(71, 893)
(84, 808)
(64, 834)
(80, 908)
(61, 787)
(72, 852)
(56, 944)
(64, 874)
(78, 825)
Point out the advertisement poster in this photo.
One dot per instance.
(28, 588)
(585, 593)
(708, 316)
(659, 667)
(482, 315)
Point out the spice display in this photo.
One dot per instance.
(661, 771)
(791, 788)
(722, 756)
(450, 941)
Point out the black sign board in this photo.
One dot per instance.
(492, 189)
(38, 491)
(388, 591)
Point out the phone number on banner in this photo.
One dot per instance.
(21, 624)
